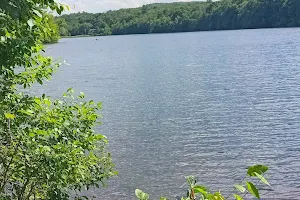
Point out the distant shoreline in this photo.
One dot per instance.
(184, 17)
(79, 36)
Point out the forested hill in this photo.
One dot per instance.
(183, 17)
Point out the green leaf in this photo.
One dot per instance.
(100, 137)
(37, 101)
(237, 197)
(81, 95)
(218, 196)
(67, 7)
(58, 10)
(8, 34)
(41, 132)
(30, 23)
(262, 178)
(190, 180)
(99, 105)
(31, 134)
(39, 81)
(47, 102)
(240, 188)
(260, 169)
(70, 90)
(27, 158)
(141, 195)
(200, 189)
(9, 116)
(27, 112)
(252, 189)
(47, 148)
(3, 39)
(38, 13)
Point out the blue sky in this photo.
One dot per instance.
(96, 6)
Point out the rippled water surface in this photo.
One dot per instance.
(206, 104)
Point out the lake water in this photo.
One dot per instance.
(207, 104)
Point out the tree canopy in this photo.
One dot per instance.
(48, 147)
(54, 31)
(185, 16)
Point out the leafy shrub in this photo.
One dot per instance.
(48, 147)
(199, 192)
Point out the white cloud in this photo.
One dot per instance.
(96, 6)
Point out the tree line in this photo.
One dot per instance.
(184, 17)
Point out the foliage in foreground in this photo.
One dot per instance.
(185, 16)
(199, 192)
(48, 147)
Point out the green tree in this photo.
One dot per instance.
(52, 27)
(48, 147)
(84, 28)
(62, 26)
(188, 16)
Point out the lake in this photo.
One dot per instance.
(207, 104)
